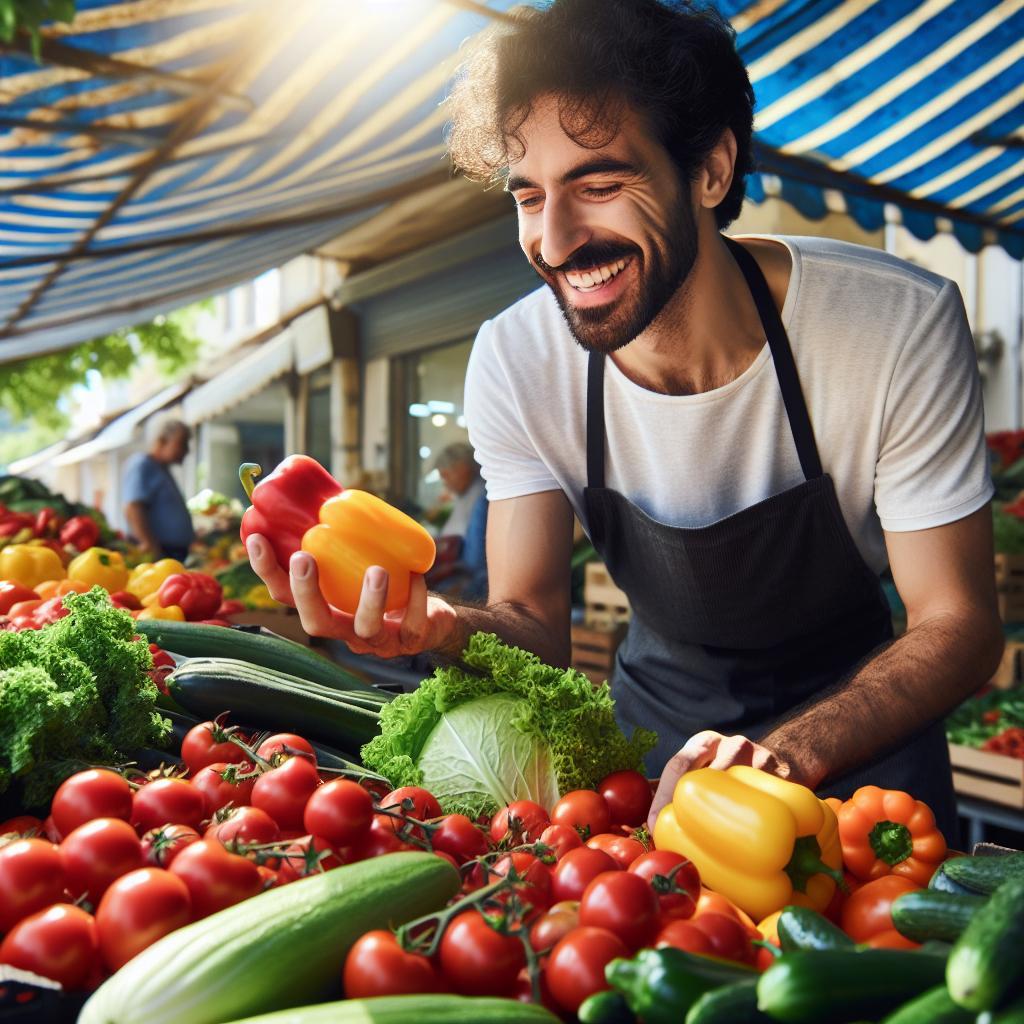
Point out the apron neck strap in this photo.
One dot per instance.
(595, 420)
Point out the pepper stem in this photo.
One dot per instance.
(891, 842)
(806, 862)
(247, 473)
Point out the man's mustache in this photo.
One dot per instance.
(587, 257)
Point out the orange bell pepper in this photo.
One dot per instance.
(887, 831)
(357, 530)
(60, 588)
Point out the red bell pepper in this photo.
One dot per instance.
(81, 533)
(47, 523)
(12, 593)
(15, 522)
(197, 594)
(287, 503)
(230, 607)
(126, 600)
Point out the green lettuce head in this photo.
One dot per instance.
(524, 731)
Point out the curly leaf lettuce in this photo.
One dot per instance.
(523, 731)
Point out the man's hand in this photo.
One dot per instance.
(710, 749)
(426, 623)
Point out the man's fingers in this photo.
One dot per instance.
(264, 564)
(314, 612)
(697, 751)
(412, 632)
(369, 618)
(733, 750)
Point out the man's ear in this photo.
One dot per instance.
(715, 178)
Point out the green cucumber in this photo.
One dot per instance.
(987, 964)
(834, 985)
(935, 1006)
(730, 1004)
(423, 1009)
(607, 1007)
(1011, 1014)
(985, 874)
(281, 948)
(195, 639)
(928, 914)
(256, 696)
(941, 882)
(803, 928)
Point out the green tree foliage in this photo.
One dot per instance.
(28, 15)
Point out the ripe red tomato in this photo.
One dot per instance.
(24, 826)
(676, 875)
(208, 743)
(458, 836)
(239, 826)
(222, 784)
(622, 849)
(561, 839)
(285, 744)
(584, 810)
(96, 793)
(576, 965)
(31, 878)
(628, 795)
(167, 802)
(576, 870)
(58, 943)
(477, 959)
(868, 911)
(424, 804)
(282, 792)
(535, 888)
(340, 811)
(377, 841)
(161, 845)
(378, 966)
(137, 909)
(683, 935)
(553, 924)
(623, 903)
(97, 853)
(307, 856)
(215, 878)
(728, 938)
(528, 820)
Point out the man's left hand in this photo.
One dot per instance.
(710, 749)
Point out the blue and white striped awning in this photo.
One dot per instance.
(167, 149)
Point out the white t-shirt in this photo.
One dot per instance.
(886, 364)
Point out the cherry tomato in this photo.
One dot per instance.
(340, 811)
(161, 845)
(206, 744)
(377, 841)
(528, 821)
(137, 909)
(96, 793)
(628, 795)
(282, 792)
(424, 804)
(308, 856)
(477, 959)
(58, 943)
(378, 966)
(622, 849)
(24, 826)
(576, 870)
(31, 878)
(222, 784)
(535, 888)
(167, 802)
(553, 924)
(51, 831)
(678, 885)
(683, 935)
(716, 903)
(623, 903)
(458, 836)
(728, 938)
(97, 853)
(268, 877)
(240, 826)
(576, 965)
(868, 911)
(215, 878)
(584, 810)
(561, 839)
(283, 745)
(523, 991)
(892, 939)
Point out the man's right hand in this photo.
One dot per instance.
(427, 623)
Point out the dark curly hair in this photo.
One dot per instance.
(674, 61)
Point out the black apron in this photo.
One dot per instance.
(736, 623)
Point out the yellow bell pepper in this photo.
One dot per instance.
(760, 840)
(146, 579)
(100, 566)
(30, 565)
(172, 611)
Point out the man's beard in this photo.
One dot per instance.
(610, 327)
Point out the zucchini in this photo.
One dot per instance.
(935, 1006)
(813, 985)
(927, 914)
(986, 964)
(607, 1007)
(281, 948)
(421, 1009)
(941, 882)
(730, 1004)
(803, 928)
(985, 874)
(208, 687)
(195, 639)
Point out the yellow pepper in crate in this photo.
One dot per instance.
(30, 564)
(100, 566)
(154, 611)
(760, 840)
(146, 579)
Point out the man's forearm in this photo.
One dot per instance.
(909, 684)
(138, 524)
(515, 625)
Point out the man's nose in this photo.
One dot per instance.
(563, 231)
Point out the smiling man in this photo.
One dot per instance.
(749, 429)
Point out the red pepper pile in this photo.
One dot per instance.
(1009, 742)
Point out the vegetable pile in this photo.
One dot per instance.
(993, 722)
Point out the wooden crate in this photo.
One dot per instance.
(605, 604)
(1009, 571)
(593, 650)
(989, 776)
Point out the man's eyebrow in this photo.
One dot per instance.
(604, 165)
